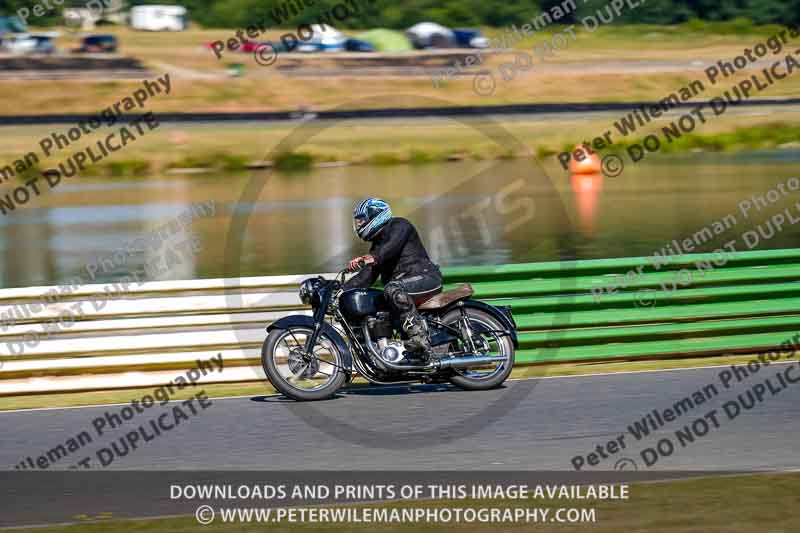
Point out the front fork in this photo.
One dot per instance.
(319, 321)
(312, 341)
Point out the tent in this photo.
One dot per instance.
(11, 24)
(384, 40)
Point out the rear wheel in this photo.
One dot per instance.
(297, 375)
(487, 339)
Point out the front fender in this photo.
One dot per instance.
(503, 314)
(329, 331)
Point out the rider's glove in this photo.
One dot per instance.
(357, 262)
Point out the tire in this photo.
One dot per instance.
(463, 381)
(274, 375)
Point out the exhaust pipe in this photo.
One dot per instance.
(470, 360)
(448, 362)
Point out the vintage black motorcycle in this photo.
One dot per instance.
(311, 357)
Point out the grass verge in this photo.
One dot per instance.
(778, 135)
(233, 148)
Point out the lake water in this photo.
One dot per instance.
(468, 212)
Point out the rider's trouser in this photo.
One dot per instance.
(401, 293)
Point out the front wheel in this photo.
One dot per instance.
(297, 375)
(487, 339)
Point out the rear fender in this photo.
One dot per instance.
(329, 331)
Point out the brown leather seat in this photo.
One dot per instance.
(445, 298)
(423, 297)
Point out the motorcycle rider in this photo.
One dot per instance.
(398, 256)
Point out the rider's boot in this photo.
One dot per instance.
(417, 330)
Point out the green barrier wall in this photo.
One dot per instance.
(691, 305)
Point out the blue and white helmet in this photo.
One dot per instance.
(370, 216)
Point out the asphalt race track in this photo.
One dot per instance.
(530, 432)
(531, 424)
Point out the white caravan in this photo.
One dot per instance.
(159, 18)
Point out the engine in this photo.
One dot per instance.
(391, 350)
(381, 331)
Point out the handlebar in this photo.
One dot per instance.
(346, 270)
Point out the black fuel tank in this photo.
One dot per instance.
(358, 303)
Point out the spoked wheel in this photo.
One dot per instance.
(297, 375)
(484, 329)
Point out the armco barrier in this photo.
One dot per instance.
(147, 334)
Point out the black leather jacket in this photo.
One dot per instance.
(398, 252)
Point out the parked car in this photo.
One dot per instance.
(251, 46)
(323, 39)
(470, 38)
(20, 43)
(357, 45)
(28, 43)
(94, 44)
(44, 44)
(248, 47)
(431, 35)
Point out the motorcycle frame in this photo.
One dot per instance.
(359, 355)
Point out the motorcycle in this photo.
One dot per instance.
(310, 358)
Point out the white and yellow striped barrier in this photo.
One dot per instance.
(137, 336)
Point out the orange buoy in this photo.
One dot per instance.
(584, 161)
